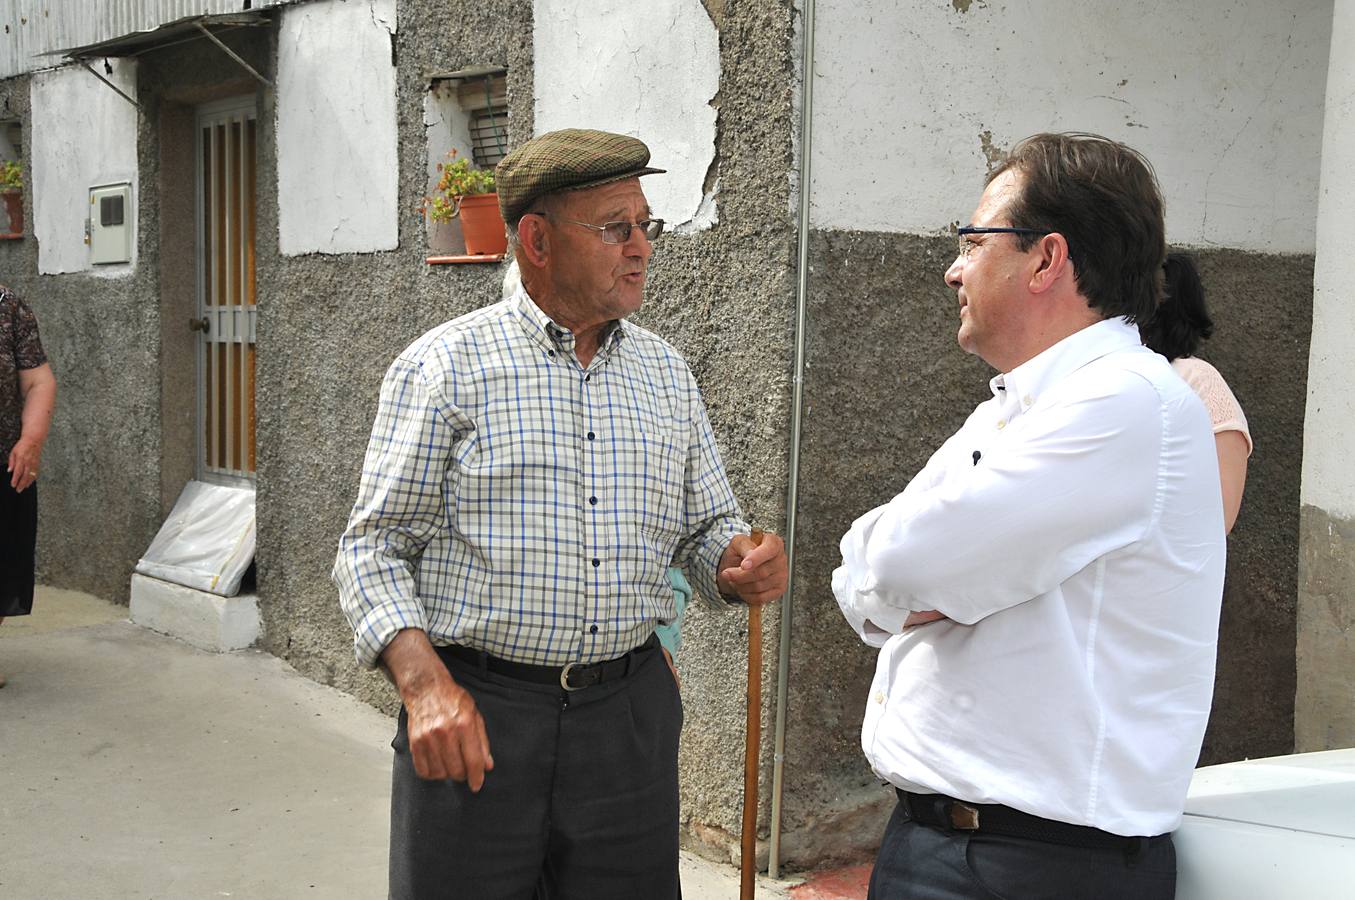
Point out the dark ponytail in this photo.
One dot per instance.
(1181, 321)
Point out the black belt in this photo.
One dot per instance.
(940, 811)
(571, 677)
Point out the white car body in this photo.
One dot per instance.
(1270, 829)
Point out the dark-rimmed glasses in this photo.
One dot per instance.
(964, 232)
(619, 232)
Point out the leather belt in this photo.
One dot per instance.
(940, 811)
(571, 677)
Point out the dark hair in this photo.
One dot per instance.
(1103, 198)
(1181, 321)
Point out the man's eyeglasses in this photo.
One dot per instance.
(966, 244)
(619, 232)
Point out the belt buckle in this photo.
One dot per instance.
(963, 817)
(564, 677)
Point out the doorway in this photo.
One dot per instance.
(226, 316)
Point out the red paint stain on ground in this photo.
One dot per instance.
(834, 884)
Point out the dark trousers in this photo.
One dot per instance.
(18, 541)
(922, 862)
(582, 801)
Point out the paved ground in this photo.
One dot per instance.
(135, 766)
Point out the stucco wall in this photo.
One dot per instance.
(886, 384)
(1225, 98)
(913, 104)
(98, 497)
(83, 136)
(653, 70)
(723, 296)
(1324, 711)
(337, 174)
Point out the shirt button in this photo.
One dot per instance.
(588, 377)
(592, 629)
(592, 501)
(596, 563)
(550, 352)
(1028, 399)
(1001, 423)
(591, 435)
(879, 696)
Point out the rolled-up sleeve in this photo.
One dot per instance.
(400, 508)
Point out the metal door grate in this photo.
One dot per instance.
(226, 154)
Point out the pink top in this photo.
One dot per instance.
(1224, 410)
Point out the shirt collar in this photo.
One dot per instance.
(552, 336)
(1027, 381)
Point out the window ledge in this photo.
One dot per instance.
(479, 258)
(12, 236)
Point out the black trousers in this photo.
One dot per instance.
(18, 543)
(921, 862)
(582, 801)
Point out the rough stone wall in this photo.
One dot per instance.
(886, 384)
(99, 493)
(329, 326)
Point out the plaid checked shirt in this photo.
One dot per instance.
(515, 502)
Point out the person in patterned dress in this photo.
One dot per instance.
(27, 396)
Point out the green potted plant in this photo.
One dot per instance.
(11, 188)
(468, 193)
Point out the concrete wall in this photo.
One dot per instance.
(1324, 711)
(913, 105)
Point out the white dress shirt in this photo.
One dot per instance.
(1072, 531)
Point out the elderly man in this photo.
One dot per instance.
(1046, 590)
(533, 469)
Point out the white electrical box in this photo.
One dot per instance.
(110, 223)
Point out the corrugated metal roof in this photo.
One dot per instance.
(33, 28)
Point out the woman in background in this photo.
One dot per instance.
(27, 396)
(1175, 331)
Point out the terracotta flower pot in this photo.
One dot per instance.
(14, 205)
(482, 225)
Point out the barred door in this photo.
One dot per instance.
(226, 139)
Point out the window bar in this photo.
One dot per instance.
(204, 279)
(210, 298)
(251, 300)
(242, 310)
(232, 455)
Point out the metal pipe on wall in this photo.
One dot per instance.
(797, 407)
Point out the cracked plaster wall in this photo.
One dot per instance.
(337, 174)
(651, 70)
(1225, 98)
(1324, 711)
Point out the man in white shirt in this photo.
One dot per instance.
(1046, 590)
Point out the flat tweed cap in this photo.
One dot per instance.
(566, 160)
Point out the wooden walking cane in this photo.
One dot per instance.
(751, 747)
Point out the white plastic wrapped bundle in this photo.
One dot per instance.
(207, 542)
